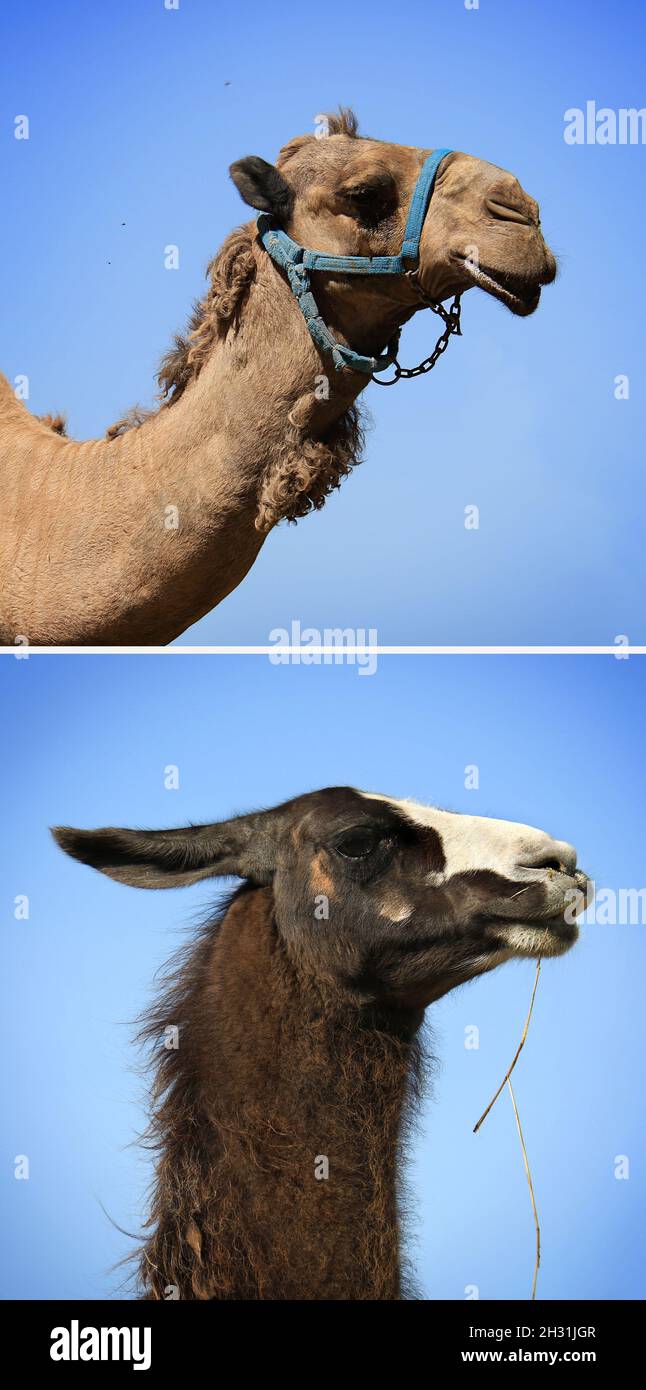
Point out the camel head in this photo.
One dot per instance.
(391, 901)
(347, 195)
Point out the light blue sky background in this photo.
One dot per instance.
(558, 742)
(136, 113)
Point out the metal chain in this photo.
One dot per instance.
(451, 320)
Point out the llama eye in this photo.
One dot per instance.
(357, 844)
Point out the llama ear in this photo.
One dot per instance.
(174, 858)
(262, 186)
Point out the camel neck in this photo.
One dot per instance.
(299, 1130)
(132, 539)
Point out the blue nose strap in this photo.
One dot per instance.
(297, 261)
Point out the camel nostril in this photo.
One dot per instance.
(505, 211)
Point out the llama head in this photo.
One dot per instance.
(348, 195)
(389, 901)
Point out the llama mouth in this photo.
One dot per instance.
(552, 936)
(521, 296)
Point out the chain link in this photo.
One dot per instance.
(451, 320)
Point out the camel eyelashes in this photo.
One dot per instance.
(372, 198)
(262, 186)
(378, 187)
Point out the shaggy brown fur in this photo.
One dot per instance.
(306, 470)
(270, 1075)
(342, 122)
(133, 418)
(231, 272)
(57, 423)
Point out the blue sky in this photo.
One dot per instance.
(559, 744)
(136, 113)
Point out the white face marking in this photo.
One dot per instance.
(479, 842)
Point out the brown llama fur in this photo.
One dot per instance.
(264, 1056)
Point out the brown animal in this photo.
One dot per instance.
(133, 538)
(288, 1059)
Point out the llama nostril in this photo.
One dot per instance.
(561, 859)
(554, 864)
(554, 856)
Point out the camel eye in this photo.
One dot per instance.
(358, 844)
(362, 193)
(372, 198)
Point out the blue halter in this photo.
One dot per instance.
(298, 262)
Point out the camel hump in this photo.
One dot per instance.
(13, 403)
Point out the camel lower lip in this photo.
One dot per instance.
(519, 304)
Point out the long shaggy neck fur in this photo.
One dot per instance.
(306, 469)
(275, 1082)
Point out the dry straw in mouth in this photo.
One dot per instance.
(506, 1081)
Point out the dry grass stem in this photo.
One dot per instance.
(519, 1049)
(507, 1081)
(531, 1189)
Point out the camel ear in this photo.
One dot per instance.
(174, 858)
(262, 186)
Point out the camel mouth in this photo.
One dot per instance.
(520, 294)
